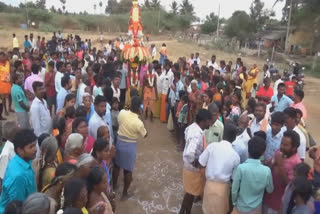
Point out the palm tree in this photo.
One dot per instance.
(174, 7)
(146, 4)
(63, 2)
(100, 4)
(155, 3)
(186, 8)
(95, 8)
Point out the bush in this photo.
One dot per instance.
(37, 15)
(48, 28)
(11, 19)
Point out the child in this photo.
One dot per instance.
(207, 99)
(247, 195)
(254, 90)
(114, 116)
(183, 120)
(235, 109)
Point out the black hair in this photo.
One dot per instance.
(209, 93)
(65, 80)
(99, 99)
(81, 111)
(256, 147)
(23, 138)
(14, 207)
(134, 93)
(252, 103)
(298, 92)
(278, 117)
(281, 85)
(303, 188)
(135, 104)
(99, 146)
(203, 115)
(42, 137)
(15, 76)
(60, 124)
(70, 112)
(51, 64)
(291, 112)
(114, 100)
(181, 94)
(35, 68)
(68, 98)
(72, 191)
(299, 112)
(302, 169)
(177, 74)
(108, 93)
(77, 122)
(230, 132)
(95, 177)
(59, 65)
(17, 64)
(260, 134)
(294, 136)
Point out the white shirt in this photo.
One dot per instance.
(220, 160)
(80, 93)
(303, 142)
(214, 65)
(6, 155)
(57, 81)
(116, 93)
(166, 81)
(159, 85)
(198, 61)
(40, 117)
(42, 73)
(275, 87)
(255, 127)
(94, 124)
(240, 145)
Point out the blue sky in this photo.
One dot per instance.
(202, 7)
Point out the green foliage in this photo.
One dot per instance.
(41, 4)
(115, 7)
(48, 28)
(239, 25)
(259, 16)
(38, 15)
(186, 8)
(174, 7)
(210, 24)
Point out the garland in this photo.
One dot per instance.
(151, 79)
(132, 82)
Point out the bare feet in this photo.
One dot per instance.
(126, 196)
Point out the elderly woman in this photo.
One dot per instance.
(130, 129)
(87, 103)
(63, 174)
(195, 103)
(74, 148)
(85, 164)
(80, 125)
(38, 203)
(47, 163)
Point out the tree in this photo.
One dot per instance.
(239, 25)
(53, 9)
(258, 15)
(146, 4)
(100, 4)
(210, 24)
(186, 8)
(63, 2)
(112, 7)
(94, 8)
(59, 11)
(174, 7)
(41, 4)
(155, 3)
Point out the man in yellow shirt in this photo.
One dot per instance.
(15, 43)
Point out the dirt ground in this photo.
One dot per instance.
(157, 184)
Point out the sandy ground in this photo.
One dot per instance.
(157, 184)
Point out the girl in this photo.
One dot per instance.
(207, 99)
(69, 101)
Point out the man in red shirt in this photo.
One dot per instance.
(291, 84)
(265, 93)
(50, 86)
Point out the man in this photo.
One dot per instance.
(39, 113)
(193, 178)
(50, 87)
(265, 93)
(8, 132)
(20, 101)
(166, 80)
(97, 118)
(297, 98)
(20, 180)
(247, 193)
(59, 75)
(282, 170)
(291, 124)
(276, 83)
(215, 132)
(240, 145)
(27, 44)
(220, 161)
(274, 136)
(291, 84)
(174, 98)
(64, 91)
(280, 101)
(15, 43)
(30, 80)
(191, 60)
(197, 59)
(115, 85)
(213, 63)
(108, 93)
(82, 89)
(260, 123)
(223, 70)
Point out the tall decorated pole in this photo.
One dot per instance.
(134, 52)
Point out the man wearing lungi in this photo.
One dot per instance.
(193, 177)
(220, 160)
(130, 129)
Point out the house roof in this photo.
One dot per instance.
(275, 35)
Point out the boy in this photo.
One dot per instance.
(20, 101)
(247, 193)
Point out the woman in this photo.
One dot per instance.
(87, 103)
(97, 188)
(85, 165)
(38, 203)
(194, 101)
(47, 164)
(63, 174)
(69, 101)
(102, 153)
(236, 107)
(59, 132)
(80, 125)
(207, 99)
(130, 129)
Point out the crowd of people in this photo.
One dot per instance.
(80, 112)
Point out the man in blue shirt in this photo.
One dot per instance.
(66, 84)
(20, 181)
(280, 101)
(251, 180)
